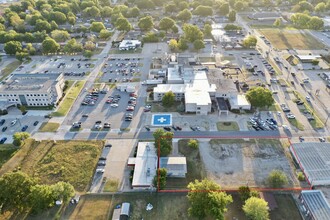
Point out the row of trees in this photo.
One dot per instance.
(305, 21)
(23, 193)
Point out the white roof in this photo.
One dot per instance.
(197, 97)
(239, 100)
(173, 74)
(131, 43)
(145, 165)
(308, 57)
(174, 164)
(175, 88)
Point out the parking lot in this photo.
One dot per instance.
(122, 70)
(72, 66)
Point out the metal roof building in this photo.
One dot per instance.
(314, 160)
(315, 205)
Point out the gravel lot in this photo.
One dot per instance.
(236, 163)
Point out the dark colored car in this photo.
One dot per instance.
(101, 163)
(3, 140)
(36, 123)
(147, 128)
(256, 127)
(98, 122)
(174, 128)
(48, 116)
(102, 158)
(4, 129)
(178, 128)
(2, 122)
(108, 145)
(167, 128)
(25, 127)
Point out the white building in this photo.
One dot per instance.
(129, 44)
(32, 89)
(145, 165)
(175, 166)
(239, 102)
(194, 88)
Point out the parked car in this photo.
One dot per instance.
(114, 105)
(4, 129)
(167, 128)
(98, 122)
(107, 125)
(13, 122)
(3, 140)
(100, 170)
(322, 139)
(2, 122)
(36, 123)
(101, 163)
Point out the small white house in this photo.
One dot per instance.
(175, 166)
(129, 44)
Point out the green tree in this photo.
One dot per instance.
(205, 199)
(146, 23)
(256, 209)
(72, 46)
(277, 179)
(58, 17)
(184, 15)
(183, 44)
(250, 41)
(163, 142)
(42, 25)
(300, 20)
(49, 46)
(60, 35)
(97, 27)
(320, 7)
(170, 8)
(244, 193)
(260, 97)
(224, 9)
(166, 24)
(192, 33)
(106, 12)
(40, 198)
(62, 191)
(12, 47)
(160, 178)
(232, 27)
(18, 137)
(15, 189)
(145, 4)
(199, 44)
(22, 55)
(239, 6)
(203, 11)
(208, 30)
(168, 99)
(105, 34)
(277, 22)
(315, 62)
(72, 20)
(193, 143)
(93, 12)
(53, 25)
(134, 12)
(122, 24)
(173, 45)
(151, 37)
(315, 23)
(88, 54)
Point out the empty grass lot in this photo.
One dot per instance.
(54, 161)
(9, 69)
(69, 99)
(291, 39)
(111, 186)
(49, 127)
(227, 126)
(6, 152)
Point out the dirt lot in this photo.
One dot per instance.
(233, 163)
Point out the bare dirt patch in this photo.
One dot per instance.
(233, 163)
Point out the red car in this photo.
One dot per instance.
(109, 101)
(132, 94)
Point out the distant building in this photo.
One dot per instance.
(308, 58)
(314, 205)
(129, 44)
(265, 16)
(32, 89)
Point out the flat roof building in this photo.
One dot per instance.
(314, 160)
(175, 166)
(315, 205)
(129, 44)
(145, 165)
(32, 89)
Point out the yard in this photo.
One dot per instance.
(237, 162)
(291, 39)
(195, 167)
(49, 127)
(158, 107)
(69, 99)
(9, 69)
(54, 161)
(227, 126)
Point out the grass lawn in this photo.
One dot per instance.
(49, 127)
(6, 152)
(317, 123)
(111, 186)
(227, 126)
(297, 124)
(165, 205)
(158, 107)
(54, 161)
(9, 69)
(91, 207)
(195, 167)
(291, 39)
(69, 99)
(287, 208)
